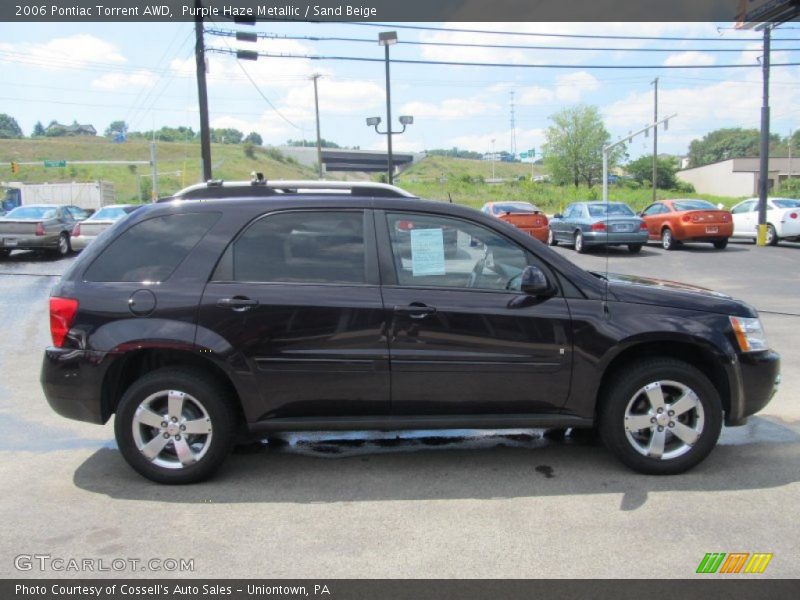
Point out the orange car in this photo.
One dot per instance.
(676, 221)
(523, 215)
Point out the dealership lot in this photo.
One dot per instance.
(456, 504)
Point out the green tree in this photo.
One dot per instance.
(9, 128)
(226, 135)
(641, 170)
(38, 129)
(573, 150)
(254, 138)
(55, 129)
(733, 142)
(116, 127)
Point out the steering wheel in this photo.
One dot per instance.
(477, 271)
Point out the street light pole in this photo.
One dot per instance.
(763, 182)
(386, 39)
(655, 139)
(316, 76)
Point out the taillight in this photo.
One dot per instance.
(76, 231)
(62, 313)
(793, 216)
(39, 229)
(599, 226)
(686, 218)
(405, 225)
(643, 226)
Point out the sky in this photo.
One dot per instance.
(145, 74)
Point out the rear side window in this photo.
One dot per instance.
(299, 247)
(151, 250)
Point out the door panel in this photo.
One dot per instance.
(297, 297)
(460, 342)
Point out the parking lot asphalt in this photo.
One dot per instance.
(415, 504)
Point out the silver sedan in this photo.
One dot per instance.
(86, 231)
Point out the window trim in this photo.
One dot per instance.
(371, 271)
(386, 254)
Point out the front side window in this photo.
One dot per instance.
(299, 247)
(151, 250)
(436, 251)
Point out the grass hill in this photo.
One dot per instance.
(464, 180)
(178, 163)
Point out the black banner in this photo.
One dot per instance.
(399, 10)
(731, 588)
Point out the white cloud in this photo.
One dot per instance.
(689, 59)
(572, 86)
(337, 96)
(451, 108)
(74, 51)
(119, 81)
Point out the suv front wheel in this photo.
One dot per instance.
(175, 425)
(660, 416)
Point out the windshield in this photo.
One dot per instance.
(32, 212)
(514, 208)
(786, 203)
(111, 213)
(693, 205)
(614, 210)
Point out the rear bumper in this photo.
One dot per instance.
(72, 381)
(14, 242)
(540, 233)
(703, 233)
(591, 238)
(80, 242)
(759, 377)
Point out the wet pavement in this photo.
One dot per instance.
(456, 503)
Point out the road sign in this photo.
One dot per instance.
(523, 155)
(55, 163)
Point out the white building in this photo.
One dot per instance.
(738, 177)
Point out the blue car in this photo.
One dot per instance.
(586, 224)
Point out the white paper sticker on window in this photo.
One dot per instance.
(427, 252)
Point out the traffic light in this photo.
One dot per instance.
(15, 167)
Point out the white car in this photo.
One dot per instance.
(783, 219)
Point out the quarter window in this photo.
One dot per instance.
(151, 250)
(434, 251)
(299, 247)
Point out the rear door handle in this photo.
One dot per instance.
(416, 310)
(237, 303)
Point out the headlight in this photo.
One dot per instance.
(749, 334)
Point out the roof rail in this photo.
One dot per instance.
(294, 186)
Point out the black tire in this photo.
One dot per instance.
(667, 239)
(198, 386)
(551, 238)
(4, 253)
(772, 235)
(634, 248)
(63, 248)
(580, 247)
(625, 388)
(721, 244)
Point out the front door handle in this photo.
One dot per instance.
(237, 303)
(416, 310)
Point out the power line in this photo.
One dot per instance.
(495, 65)
(558, 35)
(311, 38)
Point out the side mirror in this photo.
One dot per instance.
(558, 216)
(534, 282)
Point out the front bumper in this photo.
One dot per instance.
(72, 381)
(759, 377)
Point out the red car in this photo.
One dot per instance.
(674, 221)
(523, 215)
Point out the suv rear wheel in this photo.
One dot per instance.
(175, 425)
(660, 416)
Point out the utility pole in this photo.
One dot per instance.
(202, 92)
(316, 76)
(655, 139)
(763, 181)
(154, 165)
(493, 157)
(390, 163)
(513, 125)
(790, 156)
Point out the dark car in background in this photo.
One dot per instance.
(586, 224)
(39, 227)
(197, 322)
